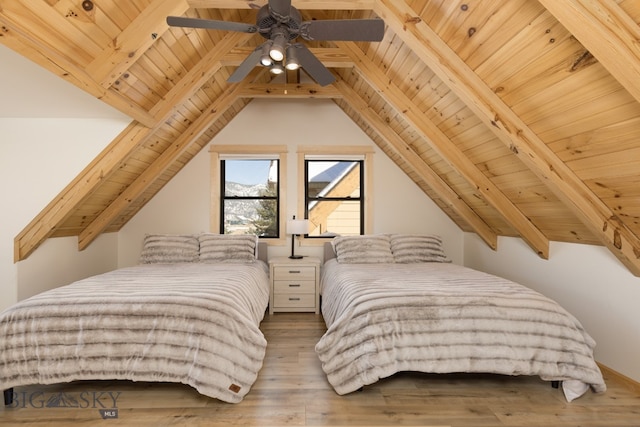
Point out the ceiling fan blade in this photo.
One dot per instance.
(210, 24)
(246, 66)
(312, 66)
(367, 30)
(280, 9)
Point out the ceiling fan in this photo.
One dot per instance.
(280, 23)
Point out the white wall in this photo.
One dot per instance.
(399, 205)
(38, 158)
(30, 91)
(586, 280)
(182, 206)
(49, 131)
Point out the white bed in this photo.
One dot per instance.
(177, 317)
(418, 312)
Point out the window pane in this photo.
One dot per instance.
(334, 217)
(257, 217)
(250, 199)
(249, 178)
(333, 179)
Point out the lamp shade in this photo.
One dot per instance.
(297, 226)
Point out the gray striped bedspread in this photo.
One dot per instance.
(194, 323)
(444, 318)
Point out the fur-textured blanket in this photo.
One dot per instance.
(192, 323)
(444, 318)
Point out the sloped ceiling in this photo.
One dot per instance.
(517, 117)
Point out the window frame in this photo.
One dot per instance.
(245, 152)
(360, 199)
(335, 152)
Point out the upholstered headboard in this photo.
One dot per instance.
(263, 251)
(329, 253)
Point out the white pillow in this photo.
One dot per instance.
(413, 248)
(368, 249)
(227, 247)
(169, 249)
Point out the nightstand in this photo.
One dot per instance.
(295, 284)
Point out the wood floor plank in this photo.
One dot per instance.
(292, 390)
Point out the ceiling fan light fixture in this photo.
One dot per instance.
(265, 59)
(276, 52)
(292, 62)
(292, 66)
(277, 69)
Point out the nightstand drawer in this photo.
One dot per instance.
(294, 287)
(294, 300)
(294, 273)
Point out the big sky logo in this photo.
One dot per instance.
(62, 400)
(105, 401)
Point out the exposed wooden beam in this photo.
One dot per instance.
(392, 94)
(63, 205)
(609, 34)
(134, 41)
(512, 131)
(158, 167)
(437, 184)
(281, 90)
(37, 50)
(299, 4)
(193, 81)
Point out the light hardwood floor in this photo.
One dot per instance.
(292, 390)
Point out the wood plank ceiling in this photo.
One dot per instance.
(517, 117)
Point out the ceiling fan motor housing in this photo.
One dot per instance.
(266, 22)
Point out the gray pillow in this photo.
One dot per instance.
(227, 247)
(413, 248)
(368, 249)
(169, 249)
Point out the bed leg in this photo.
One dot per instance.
(8, 396)
(555, 384)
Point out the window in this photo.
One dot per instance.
(250, 194)
(247, 192)
(334, 196)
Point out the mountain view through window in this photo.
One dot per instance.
(250, 197)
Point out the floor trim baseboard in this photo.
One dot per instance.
(629, 382)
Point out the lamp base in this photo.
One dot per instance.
(293, 255)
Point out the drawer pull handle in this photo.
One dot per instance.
(294, 271)
(294, 299)
(294, 285)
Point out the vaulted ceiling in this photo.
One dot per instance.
(517, 117)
